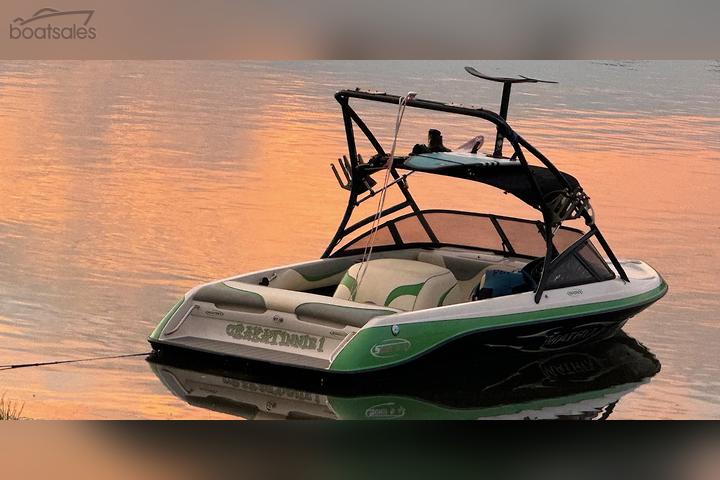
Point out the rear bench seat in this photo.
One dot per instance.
(245, 297)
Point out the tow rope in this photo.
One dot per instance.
(59, 362)
(367, 251)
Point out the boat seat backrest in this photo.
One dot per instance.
(463, 268)
(257, 299)
(315, 275)
(397, 283)
(309, 277)
(469, 273)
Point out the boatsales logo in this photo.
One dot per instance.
(51, 24)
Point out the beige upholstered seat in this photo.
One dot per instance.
(468, 272)
(403, 284)
(245, 297)
(308, 277)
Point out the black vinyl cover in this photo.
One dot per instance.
(513, 180)
(516, 182)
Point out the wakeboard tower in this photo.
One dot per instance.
(396, 285)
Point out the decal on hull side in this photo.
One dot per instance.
(390, 348)
(274, 336)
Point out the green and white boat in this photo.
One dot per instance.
(396, 285)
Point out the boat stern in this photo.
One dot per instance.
(235, 319)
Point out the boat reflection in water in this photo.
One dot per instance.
(583, 382)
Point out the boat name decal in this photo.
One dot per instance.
(575, 292)
(275, 336)
(562, 337)
(385, 411)
(390, 347)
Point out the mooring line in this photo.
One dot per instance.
(58, 362)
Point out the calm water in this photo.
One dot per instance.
(123, 184)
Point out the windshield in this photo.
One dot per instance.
(504, 235)
(583, 265)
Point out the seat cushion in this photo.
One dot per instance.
(469, 272)
(308, 277)
(402, 284)
(245, 297)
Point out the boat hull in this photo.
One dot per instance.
(578, 382)
(380, 350)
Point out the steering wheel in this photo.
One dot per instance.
(532, 271)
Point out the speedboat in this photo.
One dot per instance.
(585, 382)
(395, 285)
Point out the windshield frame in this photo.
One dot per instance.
(508, 248)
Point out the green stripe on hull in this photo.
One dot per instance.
(156, 333)
(369, 349)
